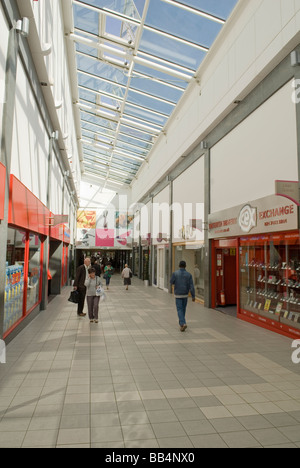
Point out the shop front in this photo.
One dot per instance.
(27, 220)
(58, 258)
(256, 263)
(193, 254)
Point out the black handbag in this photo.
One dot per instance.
(74, 297)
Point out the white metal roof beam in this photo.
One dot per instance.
(176, 38)
(108, 12)
(195, 11)
(135, 138)
(129, 58)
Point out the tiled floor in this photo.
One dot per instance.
(134, 380)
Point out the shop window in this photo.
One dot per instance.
(194, 258)
(155, 265)
(34, 271)
(14, 285)
(166, 275)
(270, 278)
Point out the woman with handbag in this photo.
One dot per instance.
(92, 285)
(127, 275)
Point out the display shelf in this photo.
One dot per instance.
(270, 279)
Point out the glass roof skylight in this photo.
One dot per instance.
(135, 58)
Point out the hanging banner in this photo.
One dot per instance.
(104, 229)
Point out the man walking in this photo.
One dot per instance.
(183, 282)
(82, 274)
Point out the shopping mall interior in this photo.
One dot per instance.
(147, 133)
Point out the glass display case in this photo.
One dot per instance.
(270, 278)
(14, 285)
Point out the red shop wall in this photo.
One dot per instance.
(2, 189)
(26, 210)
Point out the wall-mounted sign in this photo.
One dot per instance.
(269, 214)
(2, 189)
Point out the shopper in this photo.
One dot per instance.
(127, 275)
(108, 272)
(183, 282)
(81, 275)
(91, 284)
(96, 266)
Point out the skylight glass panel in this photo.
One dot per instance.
(100, 69)
(145, 115)
(84, 49)
(156, 89)
(134, 65)
(174, 20)
(138, 143)
(126, 7)
(168, 49)
(99, 85)
(86, 19)
(135, 133)
(150, 102)
(92, 118)
(146, 74)
(219, 8)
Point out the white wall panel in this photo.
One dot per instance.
(188, 199)
(258, 37)
(56, 188)
(161, 216)
(262, 149)
(3, 53)
(30, 140)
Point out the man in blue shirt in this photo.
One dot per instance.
(183, 282)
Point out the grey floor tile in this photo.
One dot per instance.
(135, 381)
(40, 438)
(168, 429)
(208, 441)
(268, 437)
(241, 439)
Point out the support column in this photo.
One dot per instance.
(207, 258)
(6, 153)
(297, 105)
(171, 198)
(44, 301)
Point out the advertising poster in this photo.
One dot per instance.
(104, 229)
(86, 228)
(124, 226)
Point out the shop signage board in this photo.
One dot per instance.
(274, 213)
(2, 189)
(26, 211)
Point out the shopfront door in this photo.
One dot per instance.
(225, 278)
(161, 267)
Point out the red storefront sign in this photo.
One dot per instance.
(2, 189)
(266, 215)
(26, 210)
